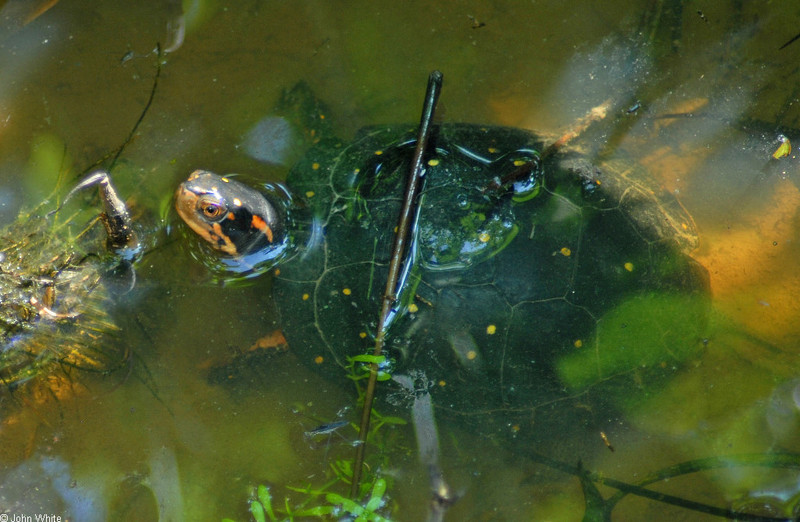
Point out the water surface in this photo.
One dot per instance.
(699, 94)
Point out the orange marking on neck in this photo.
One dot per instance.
(260, 224)
(227, 245)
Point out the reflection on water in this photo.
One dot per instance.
(699, 96)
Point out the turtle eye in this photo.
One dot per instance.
(210, 209)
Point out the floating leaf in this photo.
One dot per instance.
(784, 149)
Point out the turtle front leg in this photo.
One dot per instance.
(122, 239)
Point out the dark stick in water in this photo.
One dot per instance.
(400, 241)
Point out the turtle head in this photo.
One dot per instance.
(232, 217)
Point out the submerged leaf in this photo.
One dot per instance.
(642, 333)
(47, 160)
(596, 509)
(257, 510)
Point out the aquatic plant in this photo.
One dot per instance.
(323, 502)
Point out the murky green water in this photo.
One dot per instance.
(162, 440)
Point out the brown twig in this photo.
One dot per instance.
(400, 242)
(575, 130)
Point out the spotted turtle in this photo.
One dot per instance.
(518, 291)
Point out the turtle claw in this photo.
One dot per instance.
(122, 239)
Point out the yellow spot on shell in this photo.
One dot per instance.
(519, 163)
(310, 194)
(566, 252)
(515, 428)
(305, 297)
(492, 150)
(378, 152)
(628, 266)
(363, 335)
(277, 271)
(578, 343)
(433, 162)
(321, 116)
(491, 329)
(484, 237)
(319, 359)
(413, 308)
(346, 291)
(442, 383)
(471, 355)
(315, 166)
